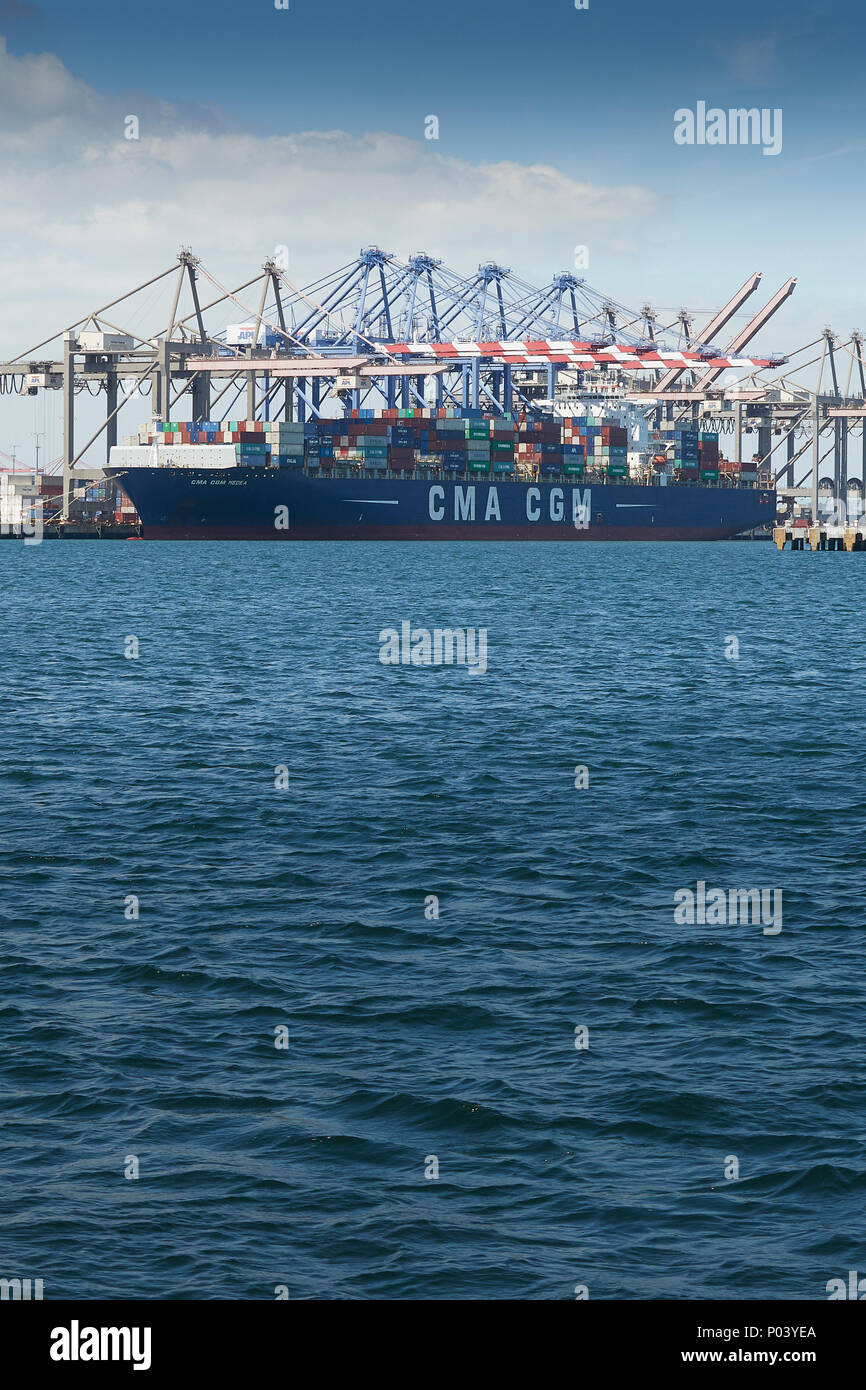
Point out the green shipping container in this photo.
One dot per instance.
(618, 470)
(710, 474)
(574, 468)
(479, 465)
(477, 431)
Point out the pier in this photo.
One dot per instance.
(821, 537)
(75, 531)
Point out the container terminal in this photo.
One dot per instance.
(408, 371)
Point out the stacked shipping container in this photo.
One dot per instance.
(450, 441)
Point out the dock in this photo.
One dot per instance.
(821, 537)
(75, 531)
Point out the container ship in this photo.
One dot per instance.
(435, 475)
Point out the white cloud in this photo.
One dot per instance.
(85, 213)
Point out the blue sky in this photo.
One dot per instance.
(228, 94)
(592, 92)
(543, 79)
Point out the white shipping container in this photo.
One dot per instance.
(97, 341)
(174, 456)
(19, 493)
(243, 335)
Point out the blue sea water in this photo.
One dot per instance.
(150, 1043)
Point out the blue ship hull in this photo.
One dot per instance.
(286, 504)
